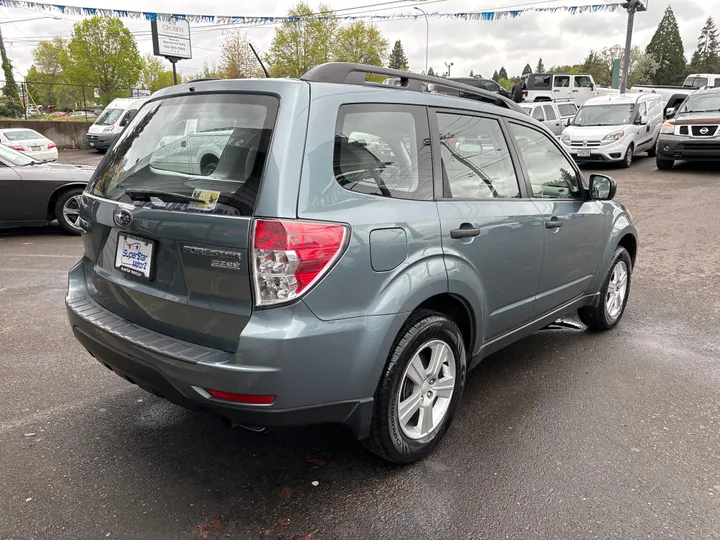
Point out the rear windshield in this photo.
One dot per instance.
(695, 82)
(539, 82)
(200, 153)
(109, 116)
(567, 109)
(23, 135)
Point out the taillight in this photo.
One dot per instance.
(291, 256)
(51, 145)
(525, 93)
(18, 148)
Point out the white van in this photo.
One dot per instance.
(614, 128)
(111, 122)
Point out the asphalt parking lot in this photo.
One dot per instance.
(565, 435)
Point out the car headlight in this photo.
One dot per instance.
(668, 128)
(614, 136)
(109, 128)
(565, 138)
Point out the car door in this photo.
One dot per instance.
(573, 231)
(645, 137)
(561, 87)
(12, 207)
(552, 119)
(583, 89)
(492, 233)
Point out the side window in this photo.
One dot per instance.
(549, 112)
(475, 158)
(552, 176)
(717, 82)
(562, 81)
(642, 110)
(492, 87)
(538, 114)
(583, 81)
(384, 150)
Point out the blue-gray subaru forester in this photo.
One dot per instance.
(328, 250)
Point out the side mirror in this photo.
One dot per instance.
(643, 120)
(592, 87)
(602, 188)
(670, 112)
(123, 122)
(568, 121)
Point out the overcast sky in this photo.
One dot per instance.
(471, 45)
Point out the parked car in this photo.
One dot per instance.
(551, 86)
(693, 134)
(35, 193)
(614, 128)
(547, 113)
(483, 84)
(309, 279)
(567, 109)
(672, 96)
(30, 142)
(111, 122)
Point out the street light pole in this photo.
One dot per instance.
(448, 66)
(427, 37)
(633, 6)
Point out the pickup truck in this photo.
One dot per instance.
(673, 96)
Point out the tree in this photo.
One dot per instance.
(666, 47)
(237, 60)
(398, 60)
(154, 76)
(10, 90)
(642, 67)
(503, 73)
(540, 67)
(301, 45)
(527, 69)
(707, 56)
(430, 72)
(496, 76)
(471, 74)
(505, 83)
(103, 53)
(45, 80)
(210, 71)
(361, 43)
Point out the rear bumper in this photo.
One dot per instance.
(44, 155)
(319, 371)
(686, 149)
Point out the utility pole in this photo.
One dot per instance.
(632, 6)
(448, 66)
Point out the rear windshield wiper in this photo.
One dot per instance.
(165, 196)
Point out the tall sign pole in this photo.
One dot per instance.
(632, 6)
(171, 40)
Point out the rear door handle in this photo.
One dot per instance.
(553, 223)
(465, 231)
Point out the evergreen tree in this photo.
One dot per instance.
(666, 47)
(430, 72)
(503, 73)
(540, 67)
(10, 90)
(707, 56)
(471, 73)
(527, 69)
(496, 76)
(398, 60)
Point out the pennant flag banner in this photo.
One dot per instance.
(76, 11)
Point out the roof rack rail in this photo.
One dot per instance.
(347, 73)
(204, 79)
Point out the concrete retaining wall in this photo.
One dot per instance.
(64, 134)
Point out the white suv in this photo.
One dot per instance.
(554, 86)
(614, 128)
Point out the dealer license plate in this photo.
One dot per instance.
(583, 153)
(35, 148)
(134, 256)
(91, 143)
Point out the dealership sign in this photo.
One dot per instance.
(171, 39)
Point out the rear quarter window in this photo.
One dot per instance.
(383, 150)
(539, 82)
(567, 109)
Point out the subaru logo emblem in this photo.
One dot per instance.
(704, 131)
(122, 217)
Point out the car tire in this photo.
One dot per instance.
(614, 295)
(664, 164)
(66, 210)
(628, 158)
(426, 335)
(652, 151)
(102, 150)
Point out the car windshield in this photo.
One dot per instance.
(15, 158)
(695, 82)
(109, 116)
(605, 115)
(180, 150)
(22, 135)
(701, 103)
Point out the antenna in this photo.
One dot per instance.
(267, 75)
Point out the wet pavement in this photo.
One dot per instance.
(564, 435)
